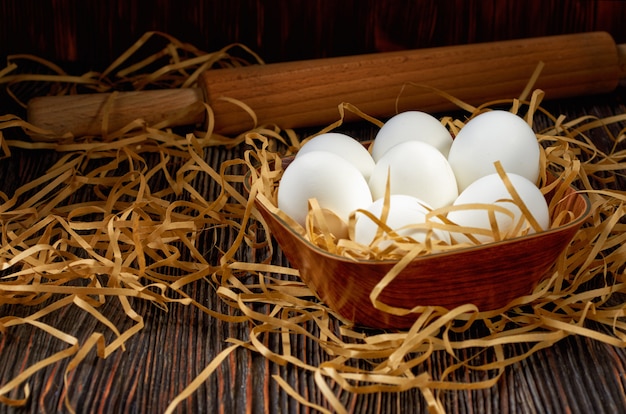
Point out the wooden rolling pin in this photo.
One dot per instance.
(307, 93)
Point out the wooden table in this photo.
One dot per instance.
(576, 375)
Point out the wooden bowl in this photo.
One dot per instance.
(489, 276)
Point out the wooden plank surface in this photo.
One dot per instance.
(576, 375)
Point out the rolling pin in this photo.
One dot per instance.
(307, 93)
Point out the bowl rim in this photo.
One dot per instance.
(573, 223)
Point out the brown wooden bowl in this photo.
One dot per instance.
(489, 276)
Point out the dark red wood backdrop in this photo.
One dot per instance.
(93, 33)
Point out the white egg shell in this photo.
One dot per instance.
(488, 190)
(336, 184)
(344, 146)
(494, 136)
(404, 211)
(416, 169)
(411, 126)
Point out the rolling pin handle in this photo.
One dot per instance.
(621, 60)
(83, 115)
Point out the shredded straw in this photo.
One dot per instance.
(137, 240)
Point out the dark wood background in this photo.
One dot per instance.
(93, 33)
(577, 375)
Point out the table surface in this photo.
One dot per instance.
(577, 374)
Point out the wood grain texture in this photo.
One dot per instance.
(84, 114)
(575, 375)
(95, 33)
(307, 93)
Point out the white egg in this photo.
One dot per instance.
(344, 146)
(411, 126)
(494, 136)
(336, 184)
(404, 211)
(416, 169)
(490, 189)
